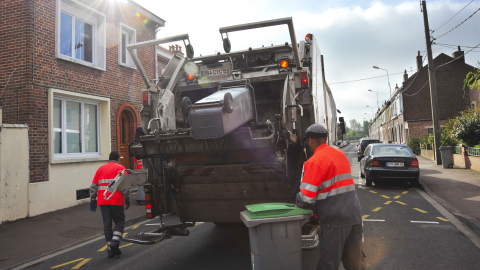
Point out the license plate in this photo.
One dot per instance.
(395, 164)
(220, 71)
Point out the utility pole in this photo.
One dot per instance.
(433, 87)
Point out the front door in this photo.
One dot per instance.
(124, 140)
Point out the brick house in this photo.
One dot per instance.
(415, 114)
(69, 77)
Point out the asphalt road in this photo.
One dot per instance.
(402, 230)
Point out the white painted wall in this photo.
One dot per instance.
(14, 172)
(60, 191)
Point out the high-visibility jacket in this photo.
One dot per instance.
(104, 175)
(327, 182)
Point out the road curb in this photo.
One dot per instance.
(128, 223)
(469, 221)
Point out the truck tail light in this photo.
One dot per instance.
(374, 163)
(414, 163)
(190, 77)
(148, 205)
(304, 79)
(145, 98)
(284, 64)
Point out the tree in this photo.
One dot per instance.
(473, 79)
(355, 125)
(365, 127)
(467, 128)
(352, 134)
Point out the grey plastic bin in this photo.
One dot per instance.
(275, 243)
(446, 161)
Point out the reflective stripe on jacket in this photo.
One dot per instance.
(104, 175)
(327, 182)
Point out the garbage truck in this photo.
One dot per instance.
(218, 132)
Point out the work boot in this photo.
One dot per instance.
(110, 252)
(115, 246)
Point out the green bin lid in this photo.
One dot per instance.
(273, 210)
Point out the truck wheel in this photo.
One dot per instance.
(228, 103)
(185, 105)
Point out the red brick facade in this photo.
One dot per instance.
(28, 45)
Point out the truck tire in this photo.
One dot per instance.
(185, 105)
(189, 50)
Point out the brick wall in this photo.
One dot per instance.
(466, 162)
(450, 96)
(36, 49)
(420, 128)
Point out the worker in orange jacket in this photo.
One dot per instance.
(112, 209)
(328, 187)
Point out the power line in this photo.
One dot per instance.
(365, 79)
(458, 24)
(438, 43)
(454, 46)
(417, 91)
(459, 57)
(452, 17)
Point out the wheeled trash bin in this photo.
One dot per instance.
(446, 160)
(275, 232)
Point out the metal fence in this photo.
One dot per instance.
(456, 150)
(473, 151)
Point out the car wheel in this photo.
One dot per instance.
(368, 182)
(359, 159)
(415, 183)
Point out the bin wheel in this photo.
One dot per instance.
(228, 103)
(185, 105)
(450, 166)
(368, 182)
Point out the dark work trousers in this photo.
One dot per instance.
(341, 244)
(117, 214)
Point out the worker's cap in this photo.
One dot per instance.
(316, 131)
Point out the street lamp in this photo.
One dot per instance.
(372, 110)
(387, 78)
(377, 96)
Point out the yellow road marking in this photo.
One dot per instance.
(420, 210)
(103, 248)
(125, 234)
(396, 197)
(441, 218)
(134, 227)
(372, 191)
(60, 265)
(365, 216)
(400, 202)
(405, 192)
(376, 209)
(388, 202)
(81, 263)
(385, 197)
(412, 189)
(126, 245)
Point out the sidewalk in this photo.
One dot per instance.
(31, 237)
(458, 190)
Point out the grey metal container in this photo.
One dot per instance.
(275, 243)
(209, 119)
(446, 160)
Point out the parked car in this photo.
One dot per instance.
(364, 142)
(383, 162)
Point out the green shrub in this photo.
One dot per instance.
(467, 128)
(414, 145)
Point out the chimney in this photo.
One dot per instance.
(405, 76)
(419, 61)
(176, 47)
(459, 54)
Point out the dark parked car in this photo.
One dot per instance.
(383, 162)
(364, 142)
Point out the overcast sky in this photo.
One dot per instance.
(353, 36)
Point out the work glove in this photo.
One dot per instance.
(93, 205)
(127, 203)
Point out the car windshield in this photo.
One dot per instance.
(390, 150)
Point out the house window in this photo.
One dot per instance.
(80, 34)
(75, 127)
(126, 36)
(474, 106)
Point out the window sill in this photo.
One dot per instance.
(78, 159)
(130, 67)
(80, 62)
